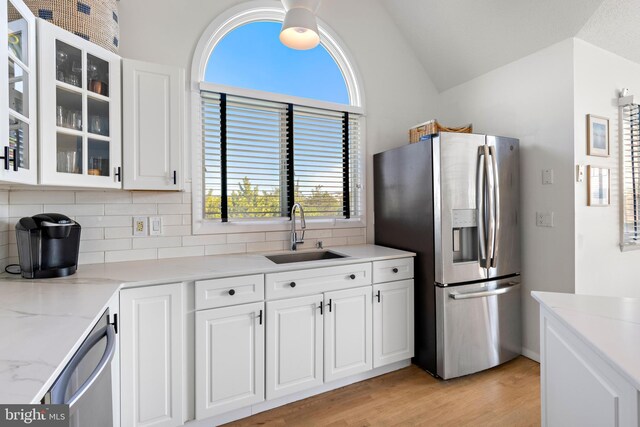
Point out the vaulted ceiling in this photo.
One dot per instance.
(458, 40)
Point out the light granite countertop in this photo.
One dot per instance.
(608, 325)
(43, 322)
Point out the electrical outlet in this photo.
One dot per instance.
(155, 225)
(139, 226)
(544, 219)
(547, 176)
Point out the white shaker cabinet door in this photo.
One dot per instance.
(151, 341)
(18, 96)
(347, 333)
(153, 125)
(229, 358)
(392, 322)
(294, 345)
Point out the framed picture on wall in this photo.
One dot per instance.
(598, 186)
(597, 136)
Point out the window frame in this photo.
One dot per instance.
(237, 16)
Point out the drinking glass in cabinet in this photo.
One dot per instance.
(68, 64)
(69, 153)
(18, 89)
(68, 109)
(18, 34)
(97, 75)
(98, 112)
(98, 157)
(19, 141)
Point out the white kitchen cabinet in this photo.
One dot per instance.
(578, 386)
(347, 333)
(18, 97)
(153, 125)
(294, 345)
(392, 322)
(79, 111)
(229, 358)
(151, 342)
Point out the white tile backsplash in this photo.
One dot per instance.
(106, 218)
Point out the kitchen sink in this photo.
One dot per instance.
(303, 257)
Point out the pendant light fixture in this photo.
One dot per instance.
(300, 28)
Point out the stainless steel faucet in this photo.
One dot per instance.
(294, 235)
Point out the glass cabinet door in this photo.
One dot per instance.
(18, 161)
(80, 110)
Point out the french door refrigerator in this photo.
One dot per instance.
(453, 200)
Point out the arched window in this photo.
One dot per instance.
(252, 57)
(277, 127)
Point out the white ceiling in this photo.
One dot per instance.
(615, 26)
(457, 40)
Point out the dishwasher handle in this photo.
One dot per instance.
(59, 389)
(481, 294)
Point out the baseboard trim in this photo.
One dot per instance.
(530, 354)
(271, 404)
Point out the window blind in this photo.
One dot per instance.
(260, 157)
(630, 136)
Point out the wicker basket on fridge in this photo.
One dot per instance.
(93, 20)
(432, 127)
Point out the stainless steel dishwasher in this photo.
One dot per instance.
(85, 384)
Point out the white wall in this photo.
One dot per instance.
(398, 92)
(531, 99)
(601, 268)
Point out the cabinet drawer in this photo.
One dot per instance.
(392, 269)
(305, 282)
(229, 291)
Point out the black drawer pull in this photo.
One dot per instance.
(260, 317)
(395, 269)
(232, 292)
(378, 296)
(292, 284)
(353, 277)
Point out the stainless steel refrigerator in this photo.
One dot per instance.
(453, 200)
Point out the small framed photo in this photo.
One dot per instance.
(598, 186)
(597, 136)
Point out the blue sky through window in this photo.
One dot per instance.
(252, 57)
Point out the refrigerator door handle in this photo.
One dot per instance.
(481, 294)
(492, 225)
(480, 185)
(496, 213)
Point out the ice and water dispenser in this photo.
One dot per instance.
(464, 224)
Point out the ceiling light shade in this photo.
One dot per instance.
(300, 28)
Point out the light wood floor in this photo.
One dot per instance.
(508, 395)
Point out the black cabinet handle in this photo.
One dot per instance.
(378, 296)
(175, 177)
(232, 292)
(292, 284)
(320, 307)
(352, 277)
(260, 317)
(330, 305)
(118, 174)
(395, 269)
(15, 159)
(6, 158)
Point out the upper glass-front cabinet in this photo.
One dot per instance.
(18, 98)
(79, 111)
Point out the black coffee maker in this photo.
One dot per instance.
(48, 246)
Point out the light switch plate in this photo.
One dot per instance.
(140, 226)
(544, 219)
(580, 173)
(547, 176)
(155, 225)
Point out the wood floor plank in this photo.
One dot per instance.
(508, 395)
